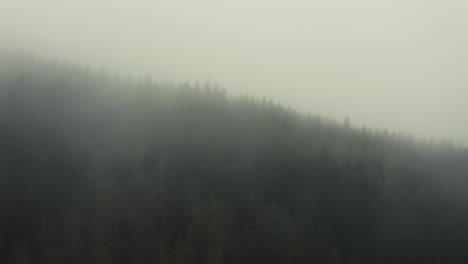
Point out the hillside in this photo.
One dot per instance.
(95, 168)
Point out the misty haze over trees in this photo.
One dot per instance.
(95, 168)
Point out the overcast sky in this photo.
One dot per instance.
(396, 64)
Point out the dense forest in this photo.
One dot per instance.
(96, 168)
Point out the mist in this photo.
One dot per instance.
(233, 132)
(399, 65)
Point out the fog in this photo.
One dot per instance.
(396, 64)
(270, 161)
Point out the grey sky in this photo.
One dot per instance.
(396, 64)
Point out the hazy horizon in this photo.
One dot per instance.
(397, 65)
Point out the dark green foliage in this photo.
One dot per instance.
(95, 169)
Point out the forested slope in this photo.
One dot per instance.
(100, 169)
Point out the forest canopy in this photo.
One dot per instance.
(96, 168)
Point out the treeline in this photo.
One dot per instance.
(95, 168)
